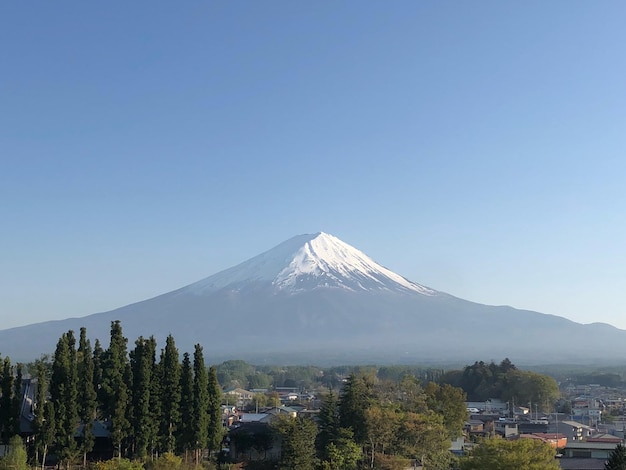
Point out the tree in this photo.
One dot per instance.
(200, 404)
(87, 399)
(170, 395)
(6, 400)
(40, 421)
(617, 459)
(356, 398)
(234, 373)
(115, 372)
(118, 464)
(343, 453)
(423, 436)
(381, 425)
(500, 454)
(215, 429)
(297, 442)
(98, 358)
(16, 458)
(141, 363)
(449, 402)
(184, 438)
(64, 396)
(48, 431)
(527, 387)
(16, 405)
(411, 395)
(328, 423)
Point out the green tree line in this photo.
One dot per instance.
(150, 406)
(482, 381)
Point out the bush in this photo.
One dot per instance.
(167, 461)
(118, 464)
(390, 462)
(16, 458)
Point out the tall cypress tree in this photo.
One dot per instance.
(6, 401)
(98, 357)
(114, 375)
(48, 431)
(18, 397)
(41, 374)
(216, 429)
(87, 399)
(200, 406)
(141, 360)
(153, 422)
(2, 418)
(170, 395)
(64, 394)
(184, 439)
(16, 403)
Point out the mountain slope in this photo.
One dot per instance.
(315, 298)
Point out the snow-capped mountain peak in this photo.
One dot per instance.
(308, 262)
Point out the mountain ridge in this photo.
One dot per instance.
(314, 294)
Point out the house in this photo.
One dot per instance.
(605, 438)
(574, 430)
(582, 464)
(506, 427)
(474, 426)
(238, 396)
(532, 427)
(589, 450)
(254, 418)
(281, 410)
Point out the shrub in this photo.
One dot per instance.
(118, 464)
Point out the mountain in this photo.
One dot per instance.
(316, 299)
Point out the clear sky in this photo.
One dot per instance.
(474, 147)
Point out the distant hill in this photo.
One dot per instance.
(316, 299)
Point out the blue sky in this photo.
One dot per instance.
(474, 147)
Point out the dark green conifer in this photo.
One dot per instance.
(48, 431)
(152, 422)
(141, 359)
(355, 399)
(41, 376)
(114, 383)
(87, 399)
(6, 400)
(184, 439)
(297, 442)
(98, 357)
(328, 422)
(200, 404)
(170, 395)
(64, 394)
(18, 397)
(216, 429)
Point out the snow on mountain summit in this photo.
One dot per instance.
(311, 261)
